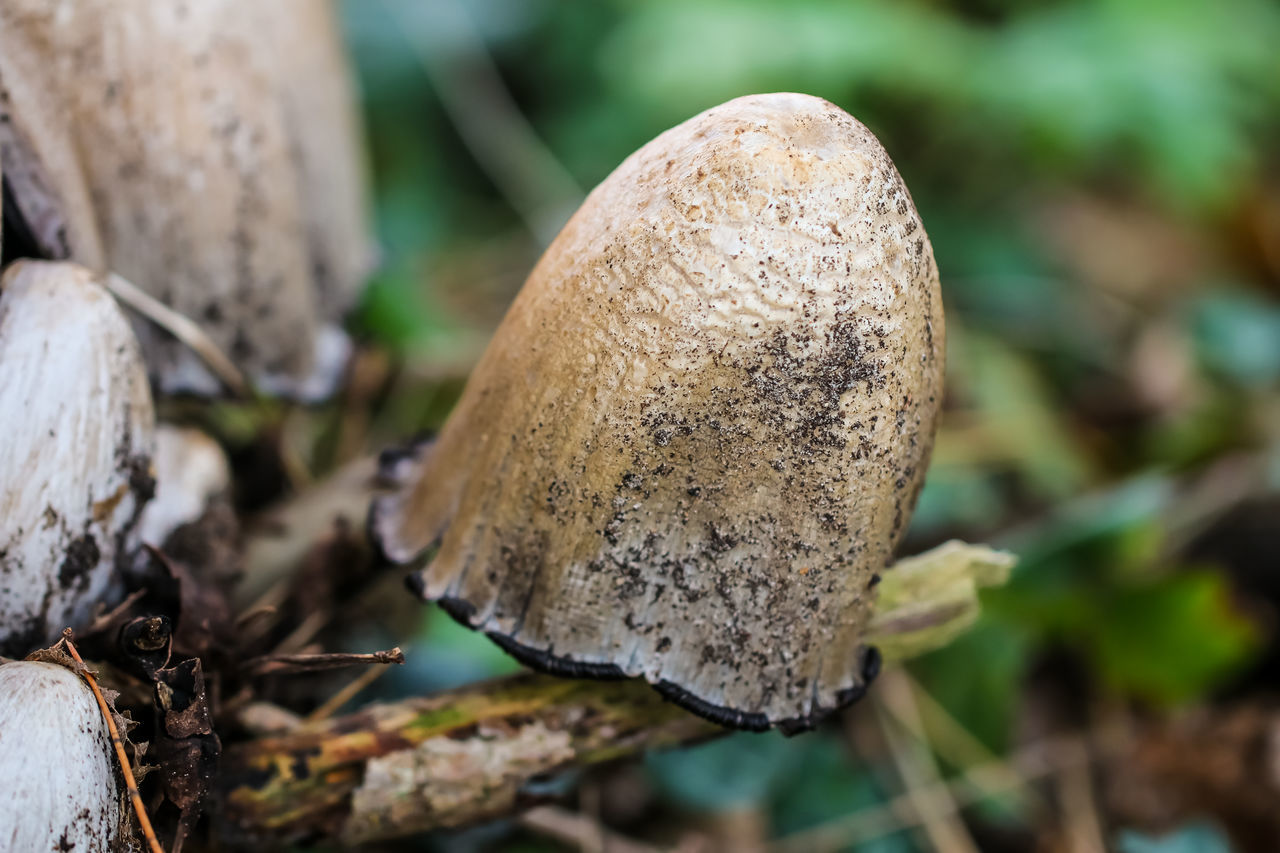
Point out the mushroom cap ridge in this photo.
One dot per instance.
(698, 434)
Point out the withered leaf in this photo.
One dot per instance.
(186, 746)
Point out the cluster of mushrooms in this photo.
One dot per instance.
(686, 456)
(204, 160)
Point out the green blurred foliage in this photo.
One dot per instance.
(1098, 178)
(1172, 89)
(800, 783)
(1238, 337)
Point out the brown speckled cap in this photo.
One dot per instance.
(700, 430)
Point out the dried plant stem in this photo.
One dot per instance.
(118, 742)
(286, 534)
(348, 692)
(579, 831)
(1035, 762)
(486, 116)
(182, 328)
(103, 620)
(462, 757)
(282, 664)
(932, 801)
(306, 631)
(955, 744)
(1080, 820)
(435, 762)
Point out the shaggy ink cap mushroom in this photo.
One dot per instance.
(700, 431)
(55, 758)
(75, 443)
(191, 472)
(208, 153)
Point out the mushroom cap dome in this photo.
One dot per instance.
(60, 783)
(208, 153)
(700, 430)
(76, 442)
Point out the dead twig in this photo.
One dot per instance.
(104, 620)
(285, 664)
(957, 745)
(389, 770)
(182, 328)
(284, 536)
(348, 692)
(579, 830)
(301, 636)
(1033, 763)
(1080, 823)
(932, 801)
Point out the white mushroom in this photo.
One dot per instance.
(208, 153)
(191, 470)
(60, 790)
(76, 433)
(700, 431)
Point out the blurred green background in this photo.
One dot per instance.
(1101, 183)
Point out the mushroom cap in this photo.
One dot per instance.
(207, 152)
(191, 470)
(60, 790)
(701, 428)
(76, 434)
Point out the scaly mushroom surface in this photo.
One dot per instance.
(76, 444)
(60, 790)
(700, 430)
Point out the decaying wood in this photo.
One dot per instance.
(464, 756)
(443, 761)
(279, 664)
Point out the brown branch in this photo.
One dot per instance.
(579, 832)
(183, 328)
(283, 664)
(465, 756)
(443, 761)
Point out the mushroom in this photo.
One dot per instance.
(206, 152)
(191, 471)
(699, 432)
(76, 443)
(55, 759)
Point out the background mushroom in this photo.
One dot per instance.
(700, 430)
(60, 789)
(191, 471)
(223, 178)
(76, 443)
